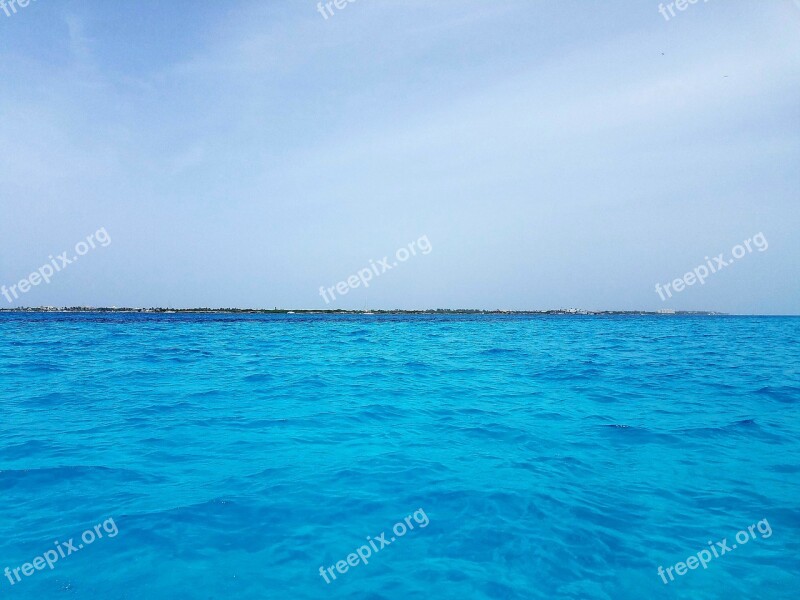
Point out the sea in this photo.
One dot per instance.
(292, 456)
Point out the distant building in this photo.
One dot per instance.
(666, 311)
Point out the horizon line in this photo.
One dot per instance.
(276, 310)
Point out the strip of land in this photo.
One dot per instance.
(300, 311)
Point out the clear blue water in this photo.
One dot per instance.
(553, 457)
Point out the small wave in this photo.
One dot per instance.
(784, 393)
(206, 394)
(50, 399)
(49, 476)
(42, 367)
(633, 433)
(357, 332)
(413, 364)
(380, 412)
(258, 377)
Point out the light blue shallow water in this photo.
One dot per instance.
(552, 457)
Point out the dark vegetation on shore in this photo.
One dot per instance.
(284, 311)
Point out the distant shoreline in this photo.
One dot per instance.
(301, 311)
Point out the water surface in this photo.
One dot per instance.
(554, 456)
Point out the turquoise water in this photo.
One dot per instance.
(552, 457)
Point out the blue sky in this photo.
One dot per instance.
(555, 154)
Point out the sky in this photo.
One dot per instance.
(549, 154)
